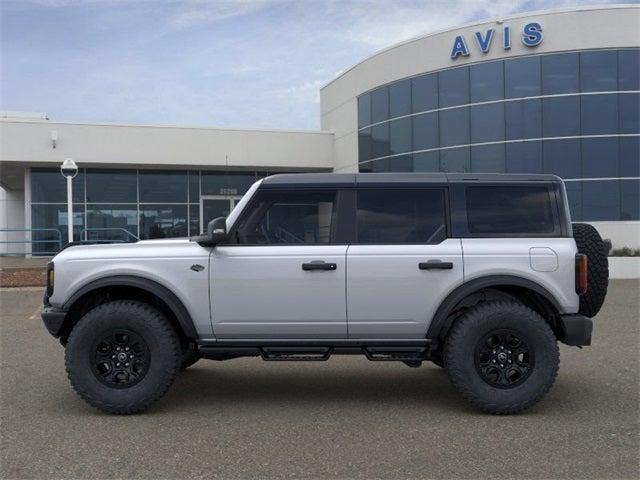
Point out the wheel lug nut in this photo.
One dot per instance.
(127, 349)
(113, 356)
(501, 366)
(126, 364)
(130, 356)
(493, 361)
(509, 361)
(493, 351)
(501, 347)
(117, 364)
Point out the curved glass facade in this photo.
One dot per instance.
(573, 114)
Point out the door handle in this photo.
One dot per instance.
(318, 265)
(435, 265)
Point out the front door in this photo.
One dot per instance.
(284, 274)
(214, 206)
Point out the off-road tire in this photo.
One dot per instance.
(437, 359)
(472, 327)
(189, 357)
(589, 242)
(147, 323)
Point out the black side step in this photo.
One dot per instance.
(300, 354)
(395, 354)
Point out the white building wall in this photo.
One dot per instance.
(11, 217)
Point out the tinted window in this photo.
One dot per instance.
(601, 200)
(629, 70)
(599, 114)
(109, 221)
(426, 162)
(560, 73)
(364, 110)
(425, 131)
(453, 87)
(380, 140)
(454, 127)
(112, 186)
(487, 123)
(522, 77)
(194, 219)
(487, 82)
(401, 163)
(629, 155)
(561, 116)
(488, 158)
(400, 99)
(562, 158)
(629, 200)
(424, 93)
(401, 216)
(455, 159)
(289, 218)
(226, 183)
(379, 105)
(598, 71)
(400, 135)
(48, 185)
(629, 113)
(194, 186)
(165, 186)
(163, 221)
(523, 119)
(600, 157)
(509, 210)
(574, 196)
(364, 145)
(53, 217)
(524, 157)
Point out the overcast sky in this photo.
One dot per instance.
(244, 63)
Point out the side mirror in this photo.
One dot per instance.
(216, 233)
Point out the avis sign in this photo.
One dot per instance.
(531, 37)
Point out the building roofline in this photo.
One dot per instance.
(481, 22)
(174, 126)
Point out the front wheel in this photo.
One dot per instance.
(502, 357)
(122, 356)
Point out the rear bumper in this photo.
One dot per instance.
(53, 319)
(577, 330)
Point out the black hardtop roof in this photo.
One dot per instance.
(353, 179)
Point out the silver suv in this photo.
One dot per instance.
(480, 274)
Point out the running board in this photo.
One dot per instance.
(295, 354)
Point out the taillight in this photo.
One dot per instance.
(581, 273)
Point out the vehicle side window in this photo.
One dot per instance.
(401, 216)
(509, 210)
(289, 217)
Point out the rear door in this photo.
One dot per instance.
(402, 263)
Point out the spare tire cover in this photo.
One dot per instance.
(589, 242)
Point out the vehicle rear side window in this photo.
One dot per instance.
(496, 210)
(289, 217)
(401, 216)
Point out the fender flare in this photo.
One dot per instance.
(439, 321)
(167, 296)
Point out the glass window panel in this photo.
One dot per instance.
(509, 209)
(454, 127)
(424, 93)
(523, 119)
(380, 140)
(629, 113)
(599, 114)
(163, 221)
(400, 98)
(402, 163)
(574, 196)
(629, 69)
(379, 104)
(601, 200)
(425, 131)
(560, 73)
(400, 133)
(630, 200)
(599, 71)
(487, 123)
(194, 186)
(194, 219)
(561, 116)
(488, 158)
(487, 81)
(453, 86)
(107, 222)
(112, 186)
(364, 110)
(630, 156)
(376, 166)
(455, 160)
(364, 145)
(289, 218)
(426, 161)
(53, 217)
(562, 158)
(226, 183)
(600, 157)
(524, 157)
(163, 186)
(49, 186)
(522, 77)
(401, 216)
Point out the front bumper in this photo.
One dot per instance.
(576, 329)
(53, 319)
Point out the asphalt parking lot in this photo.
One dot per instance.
(346, 418)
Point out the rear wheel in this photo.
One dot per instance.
(589, 242)
(502, 357)
(122, 356)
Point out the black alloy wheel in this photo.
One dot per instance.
(120, 359)
(504, 359)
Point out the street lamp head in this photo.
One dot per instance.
(69, 169)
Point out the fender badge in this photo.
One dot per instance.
(197, 267)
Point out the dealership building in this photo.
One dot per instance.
(544, 92)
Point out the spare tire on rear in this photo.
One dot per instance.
(590, 243)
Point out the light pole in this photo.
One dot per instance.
(69, 169)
